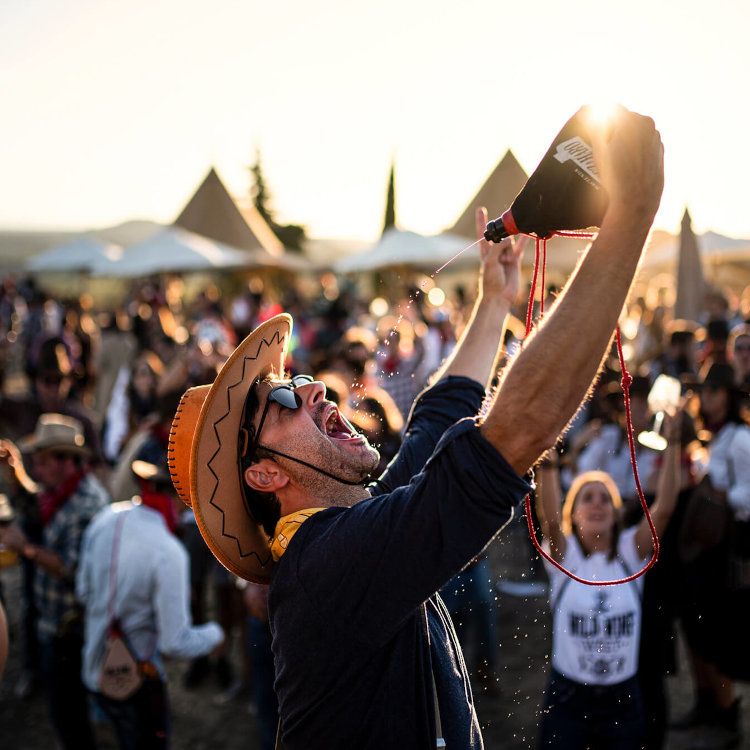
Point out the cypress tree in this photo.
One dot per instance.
(291, 236)
(390, 201)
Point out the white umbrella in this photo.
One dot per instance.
(83, 254)
(175, 249)
(401, 248)
(398, 248)
(664, 249)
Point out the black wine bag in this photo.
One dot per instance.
(563, 193)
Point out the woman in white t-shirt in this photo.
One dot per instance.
(593, 699)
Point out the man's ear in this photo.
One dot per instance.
(266, 476)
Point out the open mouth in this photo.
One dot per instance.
(337, 427)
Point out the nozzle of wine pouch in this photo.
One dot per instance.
(563, 193)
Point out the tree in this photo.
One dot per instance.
(258, 190)
(390, 201)
(292, 236)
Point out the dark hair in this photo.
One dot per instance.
(734, 406)
(264, 507)
(717, 330)
(681, 337)
(63, 455)
(735, 401)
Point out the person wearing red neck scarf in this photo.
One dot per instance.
(70, 496)
(156, 495)
(134, 574)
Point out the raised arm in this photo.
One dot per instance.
(476, 353)
(474, 357)
(11, 457)
(547, 381)
(549, 508)
(667, 489)
(15, 539)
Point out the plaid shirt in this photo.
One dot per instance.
(402, 384)
(63, 535)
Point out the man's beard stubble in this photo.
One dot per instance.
(329, 459)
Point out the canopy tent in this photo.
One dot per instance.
(664, 248)
(81, 255)
(725, 261)
(398, 247)
(496, 194)
(402, 248)
(691, 287)
(212, 212)
(176, 250)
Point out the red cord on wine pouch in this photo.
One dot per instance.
(563, 196)
(625, 383)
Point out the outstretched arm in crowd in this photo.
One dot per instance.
(14, 539)
(10, 456)
(667, 488)
(474, 357)
(476, 353)
(549, 507)
(545, 384)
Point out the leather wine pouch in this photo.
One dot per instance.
(121, 675)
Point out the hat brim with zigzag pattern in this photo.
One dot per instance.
(203, 452)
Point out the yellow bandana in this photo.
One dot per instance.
(287, 527)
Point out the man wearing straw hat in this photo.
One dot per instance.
(365, 653)
(71, 495)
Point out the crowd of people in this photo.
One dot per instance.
(88, 399)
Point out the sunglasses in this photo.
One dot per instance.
(249, 439)
(284, 395)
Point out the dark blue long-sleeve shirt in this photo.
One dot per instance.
(359, 633)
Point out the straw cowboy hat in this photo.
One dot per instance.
(56, 432)
(203, 452)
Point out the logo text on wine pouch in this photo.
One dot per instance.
(578, 151)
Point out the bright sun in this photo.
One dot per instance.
(601, 113)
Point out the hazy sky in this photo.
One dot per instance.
(115, 110)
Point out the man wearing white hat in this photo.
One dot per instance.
(365, 653)
(71, 496)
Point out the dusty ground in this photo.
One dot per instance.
(509, 721)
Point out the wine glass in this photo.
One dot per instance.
(663, 399)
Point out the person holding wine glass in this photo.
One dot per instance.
(593, 698)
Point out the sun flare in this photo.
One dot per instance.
(603, 113)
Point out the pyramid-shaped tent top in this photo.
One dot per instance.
(213, 213)
(496, 194)
(690, 283)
